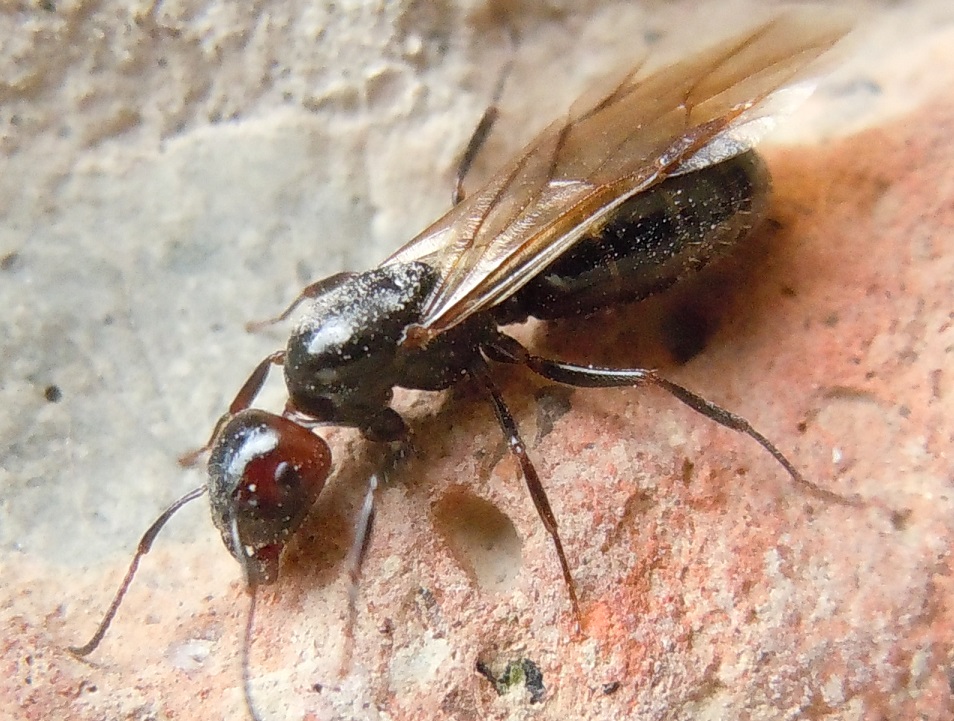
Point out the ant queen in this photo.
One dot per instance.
(614, 204)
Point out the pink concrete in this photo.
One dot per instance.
(711, 588)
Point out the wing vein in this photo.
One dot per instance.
(568, 181)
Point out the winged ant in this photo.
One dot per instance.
(618, 202)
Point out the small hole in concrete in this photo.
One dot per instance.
(482, 539)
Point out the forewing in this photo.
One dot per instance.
(570, 179)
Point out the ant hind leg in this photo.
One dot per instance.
(507, 350)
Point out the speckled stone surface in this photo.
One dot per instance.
(177, 169)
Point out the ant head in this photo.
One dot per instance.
(265, 472)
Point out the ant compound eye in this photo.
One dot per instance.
(265, 472)
(286, 475)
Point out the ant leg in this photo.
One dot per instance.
(243, 399)
(480, 135)
(145, 544)
(395, 454)
(309, 291)
(506, 349)
(480, 373)
(356, 556)
(249, 390)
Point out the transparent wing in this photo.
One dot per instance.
(571, 178)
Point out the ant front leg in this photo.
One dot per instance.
(356, 556)
(243, 400)
(250, 389)
(396, 452)
(507, 350)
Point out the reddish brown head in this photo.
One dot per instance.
(265, 472)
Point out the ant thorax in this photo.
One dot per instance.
(346, 356)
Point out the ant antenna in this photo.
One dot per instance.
(252, 589)
(145, 543)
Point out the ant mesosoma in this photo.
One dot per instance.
(619, 202)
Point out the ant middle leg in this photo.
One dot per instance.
(309, 291)
(479, 137)
(481, 373)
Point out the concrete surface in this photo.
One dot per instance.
(174, 169)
